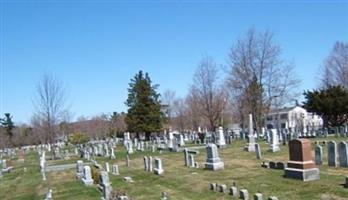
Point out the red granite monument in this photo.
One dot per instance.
(301, 165)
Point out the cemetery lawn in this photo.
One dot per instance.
(177, 180)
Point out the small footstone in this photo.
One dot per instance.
(244, 194)
(234, 191)
(258, 196)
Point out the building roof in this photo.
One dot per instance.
(283, 110)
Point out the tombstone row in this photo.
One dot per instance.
(243, 194)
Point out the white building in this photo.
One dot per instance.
(294, 118)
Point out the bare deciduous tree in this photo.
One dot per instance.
(49, 103)
(258, 71)
(208, 93)
(167, 100)
(179, 109)
(335, 67)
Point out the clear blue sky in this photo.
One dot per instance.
(95, 48)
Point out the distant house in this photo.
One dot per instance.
(294, 118)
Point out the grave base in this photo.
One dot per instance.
(158, 171)
(250, 147)
(87, 182)
(302, 174)
(214, 166)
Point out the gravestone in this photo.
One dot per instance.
(258, 196)
(87, 176)
(332, 154)
(104, 185)
(221, 138)
(127, 161)
(186, 157)
(49, 195)
(150, 160)
(274, 145)
(258, 151)
(212, 186)
(273, 198)
(318, 155)
(343, 154)
(213, 161)
(115, 170)
(107, 167)
(301, 165)
(158, 170)
(79, 169)
(346, 185)
(112, 154)
(164, 196)
(250, 147)
(223, 188)
(192, 161)
(146, 163)
(234, 191)
(244, 194)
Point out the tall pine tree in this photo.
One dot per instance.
(144, 107)
(330, 103)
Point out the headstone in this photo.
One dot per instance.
(192, 160)
(127, 161)
(318, 155)
(158, 170)
(258, 151)
(107, 167)
(213, 161)
(49, 195)
(115, 170)
(274, 145)
(343, 154)
(104, 185)
(234, 191)
(181, 140)
(186, 157)
(346, 185)
(301, 165)
(112, 154)
(79, 169)
(244, 194)
(258, 196)
(250, 147)
(332, 154)
(223, 188)
(280, 165)
(150, 160)
(273, 198)
(146, 163)
(87, 176)
(221, 138)
(212, 186)
(164, 196)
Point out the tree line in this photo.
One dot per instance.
(256, 79)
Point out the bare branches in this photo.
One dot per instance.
(208, 92)
(49, 104)
(257, 58)
(335, 68)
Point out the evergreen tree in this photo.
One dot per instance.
(330, 103)
(144, 107)
(8, 125)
